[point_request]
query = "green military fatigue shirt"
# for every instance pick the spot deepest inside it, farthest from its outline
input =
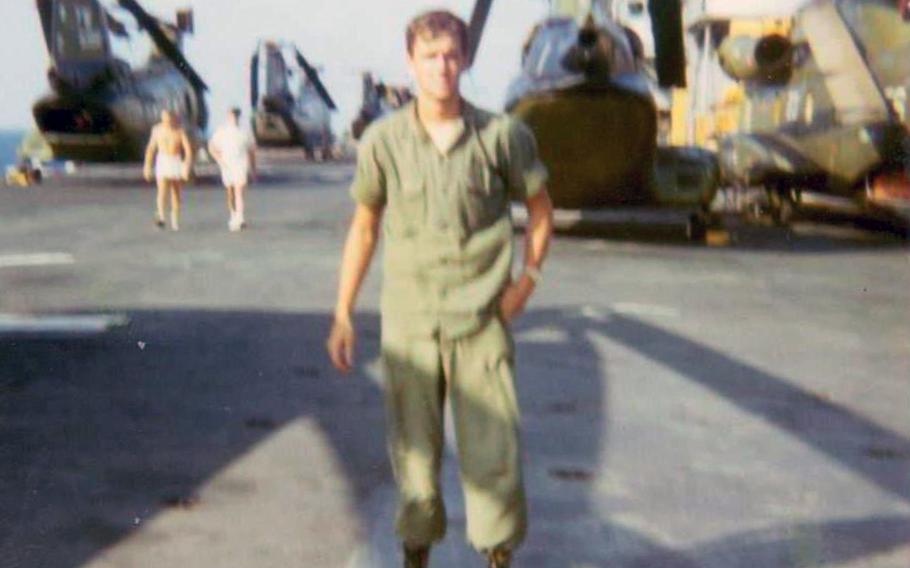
(447, 227)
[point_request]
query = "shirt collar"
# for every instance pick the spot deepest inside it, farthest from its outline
(468, 114)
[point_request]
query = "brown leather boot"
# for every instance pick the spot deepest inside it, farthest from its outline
(416, 557)
(500, 558)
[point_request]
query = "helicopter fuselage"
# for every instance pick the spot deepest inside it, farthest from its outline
(101, 108)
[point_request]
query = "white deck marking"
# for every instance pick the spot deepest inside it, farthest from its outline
(634, 309)
(36, 259)
(68, 324)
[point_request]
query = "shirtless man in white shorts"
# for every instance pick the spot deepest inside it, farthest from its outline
(234, 150)
(170, 149)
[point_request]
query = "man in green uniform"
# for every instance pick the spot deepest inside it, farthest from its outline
(439, 175)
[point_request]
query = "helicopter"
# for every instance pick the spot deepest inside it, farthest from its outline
(291, 106)
(825, 108)
(586, 91)
(104, 100)
(378, 100)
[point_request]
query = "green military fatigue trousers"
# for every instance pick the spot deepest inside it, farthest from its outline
(476, 373)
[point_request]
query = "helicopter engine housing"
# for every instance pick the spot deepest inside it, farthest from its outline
(766, 59)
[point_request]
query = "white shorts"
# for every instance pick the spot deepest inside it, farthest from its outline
(234, 175)
(168, 167)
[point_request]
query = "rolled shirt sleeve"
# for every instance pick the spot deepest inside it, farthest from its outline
(526, 173)
(368, 187)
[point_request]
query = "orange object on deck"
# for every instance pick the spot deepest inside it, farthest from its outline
(890, 187)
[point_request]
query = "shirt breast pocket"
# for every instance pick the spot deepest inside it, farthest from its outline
(406, 209)
(483, 198)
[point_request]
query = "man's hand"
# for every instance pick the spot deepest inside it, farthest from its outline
(340, 344)
(537, 241)
(147, 174)
(515, 298)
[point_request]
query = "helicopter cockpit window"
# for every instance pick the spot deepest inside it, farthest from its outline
(636, 8)
(303, 83)
(550, 42)
(129, 42)
(276, 74)
(79, 31)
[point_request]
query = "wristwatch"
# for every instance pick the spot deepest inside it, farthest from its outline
(534, 274)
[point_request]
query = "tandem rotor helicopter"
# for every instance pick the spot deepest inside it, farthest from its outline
(587, 90)
(291, 105)
(825, 107)
(104, 98)
(378, 100)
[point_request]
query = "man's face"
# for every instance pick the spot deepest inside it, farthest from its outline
(167, 118)
(436, 63)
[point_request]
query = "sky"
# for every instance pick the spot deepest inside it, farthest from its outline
(733, 8)
(344, 37)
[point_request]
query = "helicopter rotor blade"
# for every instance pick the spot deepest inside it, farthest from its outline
(254, 80)
(669, 51)
(475, 27)
(313, 76)
(167, 47)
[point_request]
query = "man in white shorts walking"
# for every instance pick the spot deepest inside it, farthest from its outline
(171, 152)
(235, 152)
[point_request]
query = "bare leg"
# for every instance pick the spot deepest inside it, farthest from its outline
(176, 186)
(231, 200)
(239, 199)
(160, 202)
(232, 207)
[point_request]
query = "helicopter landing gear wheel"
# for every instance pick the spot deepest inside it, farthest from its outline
(697, 228)
(781, 204)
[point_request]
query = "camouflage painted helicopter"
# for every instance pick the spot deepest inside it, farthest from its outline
(105, 101)
(826, 107)
(585, 92)
(291, 106)
(378, 100)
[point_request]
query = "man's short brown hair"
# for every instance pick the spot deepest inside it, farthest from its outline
(435, 23)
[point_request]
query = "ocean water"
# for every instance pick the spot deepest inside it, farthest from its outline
(9, 142)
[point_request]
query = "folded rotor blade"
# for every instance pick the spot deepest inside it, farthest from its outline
(476, 25)
(313, 76)
(167, 47)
